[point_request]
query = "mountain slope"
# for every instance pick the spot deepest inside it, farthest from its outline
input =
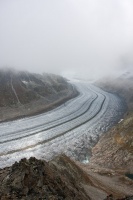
(121, 85)
(115, 149)
(23, 93)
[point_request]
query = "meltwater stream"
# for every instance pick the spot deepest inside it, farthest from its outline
(68, 129)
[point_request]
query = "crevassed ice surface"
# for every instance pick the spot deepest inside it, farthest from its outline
(65, 129)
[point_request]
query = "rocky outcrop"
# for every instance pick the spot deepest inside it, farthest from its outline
(36, 179)
(59, 179)
(23, 93)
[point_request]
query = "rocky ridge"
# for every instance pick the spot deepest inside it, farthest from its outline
(36, 179)
(59, 179)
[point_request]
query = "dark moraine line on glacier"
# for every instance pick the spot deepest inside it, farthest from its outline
(33, 118)
(61, 129)
(72, 126)
(45, 129)
(52, 126)
(61, 122)
(61, 134)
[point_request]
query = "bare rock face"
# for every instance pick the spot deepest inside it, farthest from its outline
(24, 93)
(115, 149)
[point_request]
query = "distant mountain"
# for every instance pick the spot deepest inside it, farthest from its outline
(122, 85)
(24, 93)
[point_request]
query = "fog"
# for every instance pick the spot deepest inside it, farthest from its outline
(81, 38)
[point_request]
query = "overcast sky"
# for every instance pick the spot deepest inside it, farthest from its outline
(83, 37)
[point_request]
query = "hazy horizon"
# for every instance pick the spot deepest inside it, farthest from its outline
(88, 38)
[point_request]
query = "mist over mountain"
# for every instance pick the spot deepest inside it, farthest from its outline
(121, 84)
(81, 38)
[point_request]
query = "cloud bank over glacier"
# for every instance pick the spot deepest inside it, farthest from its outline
(83, 38)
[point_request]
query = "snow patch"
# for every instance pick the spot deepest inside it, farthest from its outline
(120, 121)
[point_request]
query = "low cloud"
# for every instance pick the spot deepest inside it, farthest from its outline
(88, 38)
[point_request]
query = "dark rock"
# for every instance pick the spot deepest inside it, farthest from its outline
(36, 179)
